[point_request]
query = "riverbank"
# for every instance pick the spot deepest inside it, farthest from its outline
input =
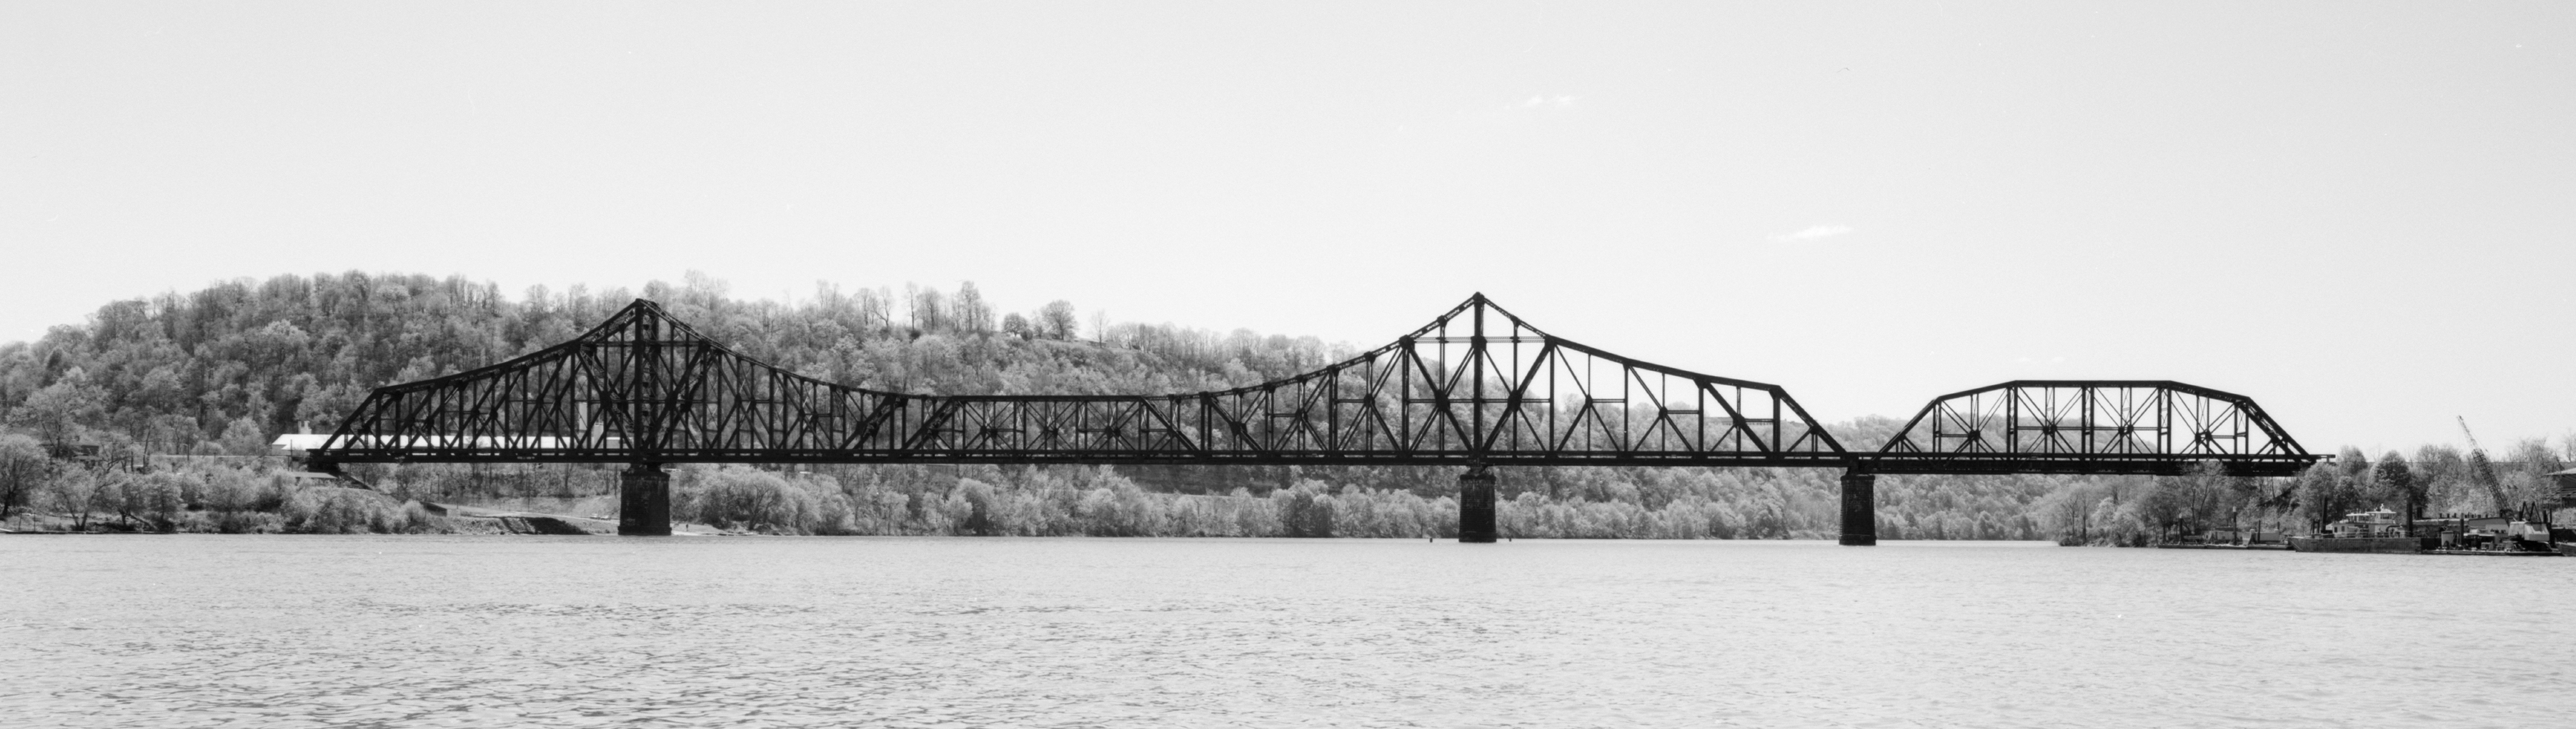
(341, 510)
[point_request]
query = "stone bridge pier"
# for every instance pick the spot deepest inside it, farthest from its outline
(1476, 506)
(644, 501)
(1860, 507)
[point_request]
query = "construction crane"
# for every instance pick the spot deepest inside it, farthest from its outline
(2482, 468)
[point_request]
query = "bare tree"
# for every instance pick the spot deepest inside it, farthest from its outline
(2068, 510)
(23, 467)
(75, 492)
(702, 290)
(929, 308)
(2534, 456)
(1057, 320)
(973, 314)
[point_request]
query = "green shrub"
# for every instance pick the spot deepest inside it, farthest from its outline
(750, 499)
(333, 510)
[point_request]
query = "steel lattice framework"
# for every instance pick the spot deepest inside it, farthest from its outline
(2091, 426)
(1477, 386)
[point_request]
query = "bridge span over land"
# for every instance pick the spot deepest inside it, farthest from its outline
(1477, 387)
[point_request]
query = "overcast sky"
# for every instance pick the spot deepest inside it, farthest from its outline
(2357, 213)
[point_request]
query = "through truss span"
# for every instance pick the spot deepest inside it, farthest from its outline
(1477, 386)
(2091, 426)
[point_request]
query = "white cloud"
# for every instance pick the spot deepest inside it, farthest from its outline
(1812, 233)
(1539, 101)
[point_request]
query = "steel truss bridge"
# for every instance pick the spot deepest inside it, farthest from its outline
(1477, 387)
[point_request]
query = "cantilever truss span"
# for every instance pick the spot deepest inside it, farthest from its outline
(1477, 386)
(2091, 426)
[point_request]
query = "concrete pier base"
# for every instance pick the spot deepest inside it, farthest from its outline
(1476, 506)
(1860, 509)
(644, 501)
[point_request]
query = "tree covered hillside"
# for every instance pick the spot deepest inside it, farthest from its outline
(222, 369)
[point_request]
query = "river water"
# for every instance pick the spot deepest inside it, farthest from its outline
(285, 631)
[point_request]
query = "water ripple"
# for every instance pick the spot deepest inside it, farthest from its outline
(272, 631)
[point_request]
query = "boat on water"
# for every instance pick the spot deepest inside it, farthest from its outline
(2227, 538)
(2501, 536)
(2378, 545)
(2377, 531)
(2380, 531)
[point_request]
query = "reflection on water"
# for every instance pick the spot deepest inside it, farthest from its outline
(278, 631)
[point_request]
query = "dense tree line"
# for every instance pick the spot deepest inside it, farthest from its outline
(222, 369)
(2438, 481)
(216, 373)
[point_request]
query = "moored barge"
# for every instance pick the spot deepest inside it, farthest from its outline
(2375, 545)
(2374, 532)
(2379, 532)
